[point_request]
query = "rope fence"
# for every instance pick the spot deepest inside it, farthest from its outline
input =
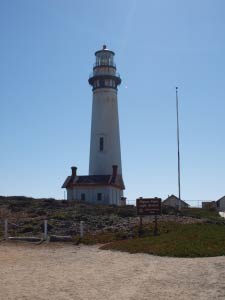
(11, 231)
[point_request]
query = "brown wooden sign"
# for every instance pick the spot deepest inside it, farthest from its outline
(148, 206)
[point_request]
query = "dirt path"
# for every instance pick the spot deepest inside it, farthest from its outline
(63, 272)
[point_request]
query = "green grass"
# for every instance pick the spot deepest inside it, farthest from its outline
(177, 240)
(200, 213)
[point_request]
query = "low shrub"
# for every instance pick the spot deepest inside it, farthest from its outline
(178, 240)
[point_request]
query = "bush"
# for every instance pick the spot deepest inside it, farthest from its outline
(169, 210)
(27, 228)
(126, 212)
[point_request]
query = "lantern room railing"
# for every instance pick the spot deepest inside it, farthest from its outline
(116, 74)
(104, 64)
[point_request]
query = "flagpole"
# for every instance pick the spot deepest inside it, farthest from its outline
(178, 147)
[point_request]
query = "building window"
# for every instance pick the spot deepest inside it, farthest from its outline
(99, 196)
(101, 144)
(83, 197)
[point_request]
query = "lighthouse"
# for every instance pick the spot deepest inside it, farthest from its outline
(104, 184)
(105, 136)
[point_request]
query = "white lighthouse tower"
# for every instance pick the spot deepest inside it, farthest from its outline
(104, 184)
(105, 136)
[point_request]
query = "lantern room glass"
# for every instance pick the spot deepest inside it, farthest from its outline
(104, 59)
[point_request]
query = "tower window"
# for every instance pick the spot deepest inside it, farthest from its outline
(101, 144)
(83, 197)
(99, 196)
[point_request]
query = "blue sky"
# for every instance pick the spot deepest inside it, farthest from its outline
(46, 56)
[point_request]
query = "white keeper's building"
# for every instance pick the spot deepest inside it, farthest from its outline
(104, 184)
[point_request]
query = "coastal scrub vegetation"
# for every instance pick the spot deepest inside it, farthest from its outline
(193, 232)
(176, 240)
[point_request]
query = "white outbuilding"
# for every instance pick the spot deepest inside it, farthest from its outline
(221, 204)
(174, 201)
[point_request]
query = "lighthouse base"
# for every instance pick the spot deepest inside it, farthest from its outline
(98, 195)
(98, 189)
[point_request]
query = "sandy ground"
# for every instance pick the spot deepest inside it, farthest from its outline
(62, 272)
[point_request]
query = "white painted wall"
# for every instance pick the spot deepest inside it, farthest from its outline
(105, 123)
(110, 195)
(174, 202)
(222, 214)
(222, 204)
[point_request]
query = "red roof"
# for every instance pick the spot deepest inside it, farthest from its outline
(94, 180)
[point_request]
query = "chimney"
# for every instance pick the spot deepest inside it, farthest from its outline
(74, 171)
(115, 168)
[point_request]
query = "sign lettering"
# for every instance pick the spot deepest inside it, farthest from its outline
(148, 206)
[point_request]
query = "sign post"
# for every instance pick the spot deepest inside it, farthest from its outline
(149, 207)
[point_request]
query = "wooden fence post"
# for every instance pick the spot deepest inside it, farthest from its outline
(140, 231)
(45, 229)
(6, 229)
(156, 226)
(81, 229)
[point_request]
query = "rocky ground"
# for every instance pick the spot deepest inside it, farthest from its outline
(26, 217)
